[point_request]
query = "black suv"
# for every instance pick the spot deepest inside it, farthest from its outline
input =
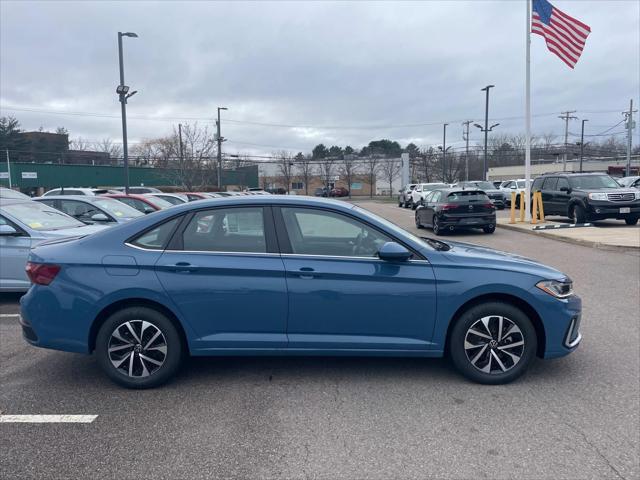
(584, 197)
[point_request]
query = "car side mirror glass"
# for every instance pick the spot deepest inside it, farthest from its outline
(565, 189)
(392, 251)
(8, 231)
(99, 217)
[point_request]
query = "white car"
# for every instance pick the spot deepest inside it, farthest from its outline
(78, 191)
(421, 191)
(509, 186)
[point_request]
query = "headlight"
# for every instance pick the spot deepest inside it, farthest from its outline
(598, 196)
(556, 288)
(637, 194)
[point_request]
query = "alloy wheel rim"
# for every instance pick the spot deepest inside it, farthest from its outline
(494, 344)
(436, 227)
(137, 348)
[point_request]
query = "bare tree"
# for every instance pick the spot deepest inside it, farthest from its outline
(305, 168)
(390, 169)
(79, 144)
(285, 167)
(108, 146)
(348, 167)
(371, 168)
(327, 167)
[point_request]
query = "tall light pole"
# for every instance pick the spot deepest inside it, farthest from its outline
(465, 137)
(123, 92)
(582, 143)
(486, 129)
(219, 139)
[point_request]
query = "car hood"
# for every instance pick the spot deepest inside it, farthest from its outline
(606, 190)
(468, 253)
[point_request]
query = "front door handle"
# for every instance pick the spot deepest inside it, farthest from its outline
(182, 267)
(305, 273)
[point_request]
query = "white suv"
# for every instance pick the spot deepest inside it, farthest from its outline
(421, 190)
(509, 186)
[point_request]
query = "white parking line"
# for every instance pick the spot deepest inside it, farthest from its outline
(9, 315)
(47, 418)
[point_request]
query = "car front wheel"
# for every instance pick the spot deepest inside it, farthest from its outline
(579, 215)
(631, 220)
(138, 347)
(492, 343)
(417, 219)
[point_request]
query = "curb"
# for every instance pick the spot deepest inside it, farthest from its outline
(575, 241)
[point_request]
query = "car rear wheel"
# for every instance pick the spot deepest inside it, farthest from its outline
(139, 347)
(631, 220)
(492, 343)
(489, 229)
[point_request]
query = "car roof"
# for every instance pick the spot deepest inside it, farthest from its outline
(83, 198)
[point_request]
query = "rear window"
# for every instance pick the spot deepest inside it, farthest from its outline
(467, 196)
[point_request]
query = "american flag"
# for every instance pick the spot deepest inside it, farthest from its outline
(565, 36)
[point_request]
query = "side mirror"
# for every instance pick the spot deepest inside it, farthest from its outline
(392, 251)
(8, 231)
(565, 189)
(99, 217)
(512, 187)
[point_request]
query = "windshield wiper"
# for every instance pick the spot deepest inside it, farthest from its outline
(437, 244)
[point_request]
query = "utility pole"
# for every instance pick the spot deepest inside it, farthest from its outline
(486, 129)
(630, 126)
(181, 150)
(566, 116)
(465, 137)
(9, 169)
(582, 143)
(219, 140)
(444, 153)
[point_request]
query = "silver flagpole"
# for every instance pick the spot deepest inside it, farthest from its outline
(527, 155)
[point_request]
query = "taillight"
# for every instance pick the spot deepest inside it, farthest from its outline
(42, 273)
(489, 205)
(448, 206)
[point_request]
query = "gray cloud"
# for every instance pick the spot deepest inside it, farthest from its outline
(310, 64)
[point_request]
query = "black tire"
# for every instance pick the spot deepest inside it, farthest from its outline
(497, 376)
(136, 315)
(579, 215)
(417, 219)
(400, 203)
(489, 229)
(631, 220)
(406, 204)
(436, 226)
(413, 205)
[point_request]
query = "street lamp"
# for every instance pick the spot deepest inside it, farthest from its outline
(486, 128)
(219, 140)
(582, 143)
(123, 93)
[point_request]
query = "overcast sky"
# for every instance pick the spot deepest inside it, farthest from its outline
(337, 73)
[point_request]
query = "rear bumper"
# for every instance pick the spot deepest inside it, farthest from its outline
(467, 222)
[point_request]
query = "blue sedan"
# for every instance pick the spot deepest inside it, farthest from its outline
(273, 275)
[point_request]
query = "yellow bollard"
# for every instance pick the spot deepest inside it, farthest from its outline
(522, 206)
(534, 213)
(540, 206)
(512, 218)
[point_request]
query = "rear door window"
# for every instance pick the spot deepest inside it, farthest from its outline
(550, 183)
(226, 230)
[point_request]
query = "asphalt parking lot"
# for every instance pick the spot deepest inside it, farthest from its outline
(575, 417)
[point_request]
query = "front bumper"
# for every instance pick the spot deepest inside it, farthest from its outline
(606, 209)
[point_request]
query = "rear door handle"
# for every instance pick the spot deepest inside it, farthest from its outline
(182, 267)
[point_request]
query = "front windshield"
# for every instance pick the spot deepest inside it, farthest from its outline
(485, 185)
(41, 217)
(521, 184)
(117, 209)
(593, 182)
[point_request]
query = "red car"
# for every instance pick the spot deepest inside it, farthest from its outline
(140, 202)
(339, 192)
